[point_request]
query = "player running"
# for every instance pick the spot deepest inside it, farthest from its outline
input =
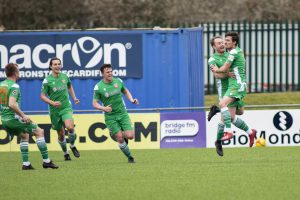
(109, 91)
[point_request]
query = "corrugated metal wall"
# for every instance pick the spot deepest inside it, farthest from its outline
(172, 75)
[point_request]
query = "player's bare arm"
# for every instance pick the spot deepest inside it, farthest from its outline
(14, 106)
(223, 69)
(102, 108)
(48, 101)
(129, 97)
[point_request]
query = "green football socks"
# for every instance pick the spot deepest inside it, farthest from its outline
(238, 122)
(227, 117)
(42, 147)
(72, 138)
(125, 149)
(63, 145)
(24, 151)
(220, 131)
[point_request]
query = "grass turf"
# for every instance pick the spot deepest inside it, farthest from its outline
(243, 173)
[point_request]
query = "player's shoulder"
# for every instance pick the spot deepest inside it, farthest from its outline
(98, 85)
(47, 78)
(63, 75)
(211, 59)
(117, 79)
(15, 85)
(233, 51)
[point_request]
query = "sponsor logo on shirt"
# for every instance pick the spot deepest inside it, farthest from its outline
(116, 85)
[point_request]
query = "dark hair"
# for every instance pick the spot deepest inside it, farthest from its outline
(11, 69)
(51, 60)
(104, 66)
(235, 37)
(212, 40)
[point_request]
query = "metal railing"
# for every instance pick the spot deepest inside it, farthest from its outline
(271, 51)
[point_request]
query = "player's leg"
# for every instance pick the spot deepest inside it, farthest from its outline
(226, 116)
(126, 125)
(241, 124)
(116, 131)
(69, 125)
(220, 133)
(13, 127)
(41, 143)
(63, 143)
(26, 165)
(124, 146)
(57, 124)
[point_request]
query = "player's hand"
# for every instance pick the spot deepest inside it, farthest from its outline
(135, 101)
(231, 75)
(107, 108)
(56, 104)
(214, 68)
(76, 101)
(26, 119)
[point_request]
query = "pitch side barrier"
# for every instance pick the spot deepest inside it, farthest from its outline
(170, 128)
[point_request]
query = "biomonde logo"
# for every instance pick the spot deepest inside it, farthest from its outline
(283, 120)
(88, 47)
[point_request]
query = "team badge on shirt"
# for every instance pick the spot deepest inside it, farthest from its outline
(14, 92)
(63, 80)
(106, 94)
(116, 85)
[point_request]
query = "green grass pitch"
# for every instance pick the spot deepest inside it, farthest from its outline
(168, 174)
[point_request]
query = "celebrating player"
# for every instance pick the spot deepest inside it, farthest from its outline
(237, 86)
(55, 92)
(15, 122)
(109, 91)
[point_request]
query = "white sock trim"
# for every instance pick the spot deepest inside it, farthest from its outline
(26, 163)
(46, 160)
(234, 119)
(224, 109)
(122, 145)
(249, 131)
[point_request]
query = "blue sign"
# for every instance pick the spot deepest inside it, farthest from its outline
(82, 53)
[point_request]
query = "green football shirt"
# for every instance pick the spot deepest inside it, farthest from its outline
(57, 90)
(237, 60)
(219, 60)
(111, 94)
(8, 88)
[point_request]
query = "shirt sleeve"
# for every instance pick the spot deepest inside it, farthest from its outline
(211, 61)
(122, 86)
(96, 95)
(68, 82)
(232, 56)
(14, 91)
(45, 87)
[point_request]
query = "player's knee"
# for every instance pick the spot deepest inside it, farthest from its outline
(239, 112)
(129, 135)
(39, 132)
(221, 104)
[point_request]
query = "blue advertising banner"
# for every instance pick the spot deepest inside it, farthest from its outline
(181, 130)
(82, 53)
